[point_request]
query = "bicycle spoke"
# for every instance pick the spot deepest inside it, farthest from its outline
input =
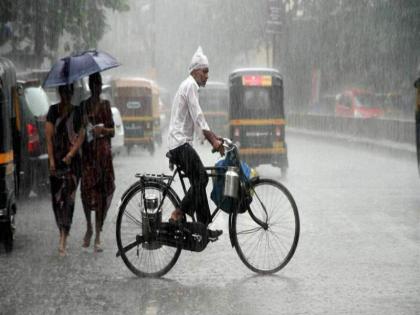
(132, 218)
(250, 230)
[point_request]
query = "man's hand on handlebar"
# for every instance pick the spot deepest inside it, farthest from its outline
(218, 146)
(216, 142)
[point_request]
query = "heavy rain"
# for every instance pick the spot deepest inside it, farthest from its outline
(209, 157)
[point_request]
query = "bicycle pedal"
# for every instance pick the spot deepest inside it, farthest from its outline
(213, 235)
(213, 239)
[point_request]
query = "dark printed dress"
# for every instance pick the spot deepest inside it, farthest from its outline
(64, 184)
(97, 187)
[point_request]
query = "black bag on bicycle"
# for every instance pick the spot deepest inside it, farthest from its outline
(191, 236)
(228, 204)
(195, 236)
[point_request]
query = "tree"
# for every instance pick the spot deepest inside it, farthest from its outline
(38, 26)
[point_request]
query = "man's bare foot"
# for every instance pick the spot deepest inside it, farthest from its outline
(177, 215)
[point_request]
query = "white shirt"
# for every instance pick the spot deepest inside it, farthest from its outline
(185, 114)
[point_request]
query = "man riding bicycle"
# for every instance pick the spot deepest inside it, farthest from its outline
(186, 113)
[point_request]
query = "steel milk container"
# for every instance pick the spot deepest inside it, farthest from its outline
(231, 182)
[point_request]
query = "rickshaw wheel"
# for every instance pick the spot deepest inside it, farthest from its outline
(7, 237)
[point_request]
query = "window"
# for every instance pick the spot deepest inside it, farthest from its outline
(257, 98)
(345, 100)
(366, 100)
(37, 100)
(133, 104)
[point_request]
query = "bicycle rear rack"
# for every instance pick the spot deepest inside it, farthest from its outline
(153, 176)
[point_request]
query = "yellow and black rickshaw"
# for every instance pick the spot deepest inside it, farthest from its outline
(9, 128)
(417, 86)
(134, 98)
(214, 101)
(256, 116)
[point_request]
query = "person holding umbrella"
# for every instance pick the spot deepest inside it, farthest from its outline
(97, 186)
(64, 135)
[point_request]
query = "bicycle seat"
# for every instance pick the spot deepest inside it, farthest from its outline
(169, 156)
(171, 162)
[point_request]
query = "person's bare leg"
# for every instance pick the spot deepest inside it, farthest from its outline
(89, 229)
(65, 235)
(62, 243)
(98, 227)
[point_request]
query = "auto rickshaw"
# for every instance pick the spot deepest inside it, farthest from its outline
(157, 133)
(133, 97)
(214, 101)
(9, 128)
(417, 86)
(256, 116)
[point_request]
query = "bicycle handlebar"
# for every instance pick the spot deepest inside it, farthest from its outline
(227, 143)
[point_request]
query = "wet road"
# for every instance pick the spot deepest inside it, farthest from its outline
(359, 250)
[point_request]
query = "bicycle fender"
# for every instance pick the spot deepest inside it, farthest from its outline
(231, 233)
(254, 179)
(127, 191)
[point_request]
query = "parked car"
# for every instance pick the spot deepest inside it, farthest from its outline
(40, 75)
(358, 103)
(34, 104)
(117, 142)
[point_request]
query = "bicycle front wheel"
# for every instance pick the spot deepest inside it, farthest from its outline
(145, 259)
(266, 236)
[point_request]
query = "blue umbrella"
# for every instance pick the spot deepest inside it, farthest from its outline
(72, 68)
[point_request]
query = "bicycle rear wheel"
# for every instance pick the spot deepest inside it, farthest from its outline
(267, 249)
(145, 259)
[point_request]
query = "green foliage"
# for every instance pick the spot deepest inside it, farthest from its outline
(38, 25)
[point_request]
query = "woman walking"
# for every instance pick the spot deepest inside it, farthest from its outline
(64, 137)
(97, 186)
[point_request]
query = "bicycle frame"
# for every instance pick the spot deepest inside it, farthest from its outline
(212, 171)
(182, 176)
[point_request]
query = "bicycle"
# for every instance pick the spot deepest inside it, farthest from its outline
(263, 221)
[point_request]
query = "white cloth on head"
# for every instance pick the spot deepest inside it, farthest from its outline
(186, 114)
(198, 61)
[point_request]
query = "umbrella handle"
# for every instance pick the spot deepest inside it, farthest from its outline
(66, 67)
